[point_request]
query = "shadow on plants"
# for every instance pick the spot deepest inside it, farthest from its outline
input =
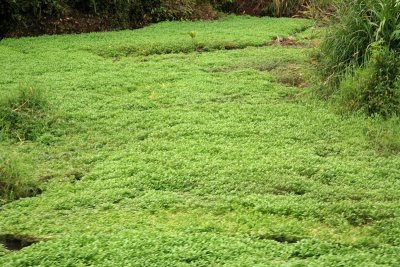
(280, 237)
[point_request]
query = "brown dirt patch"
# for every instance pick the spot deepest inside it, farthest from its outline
(286, 41)
(15, 242)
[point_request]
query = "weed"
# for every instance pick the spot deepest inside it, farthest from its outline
(15, 179)
(24, 116)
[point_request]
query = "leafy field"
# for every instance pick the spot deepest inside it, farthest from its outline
(177, 149)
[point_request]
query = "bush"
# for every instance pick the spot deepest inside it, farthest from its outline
(175, 9)
(15, 181)
(24, 116)
(155, 10)
(374, 88)
(359, 56)
(19, 10)
(282, 8)
(277, 8)
(23, 17)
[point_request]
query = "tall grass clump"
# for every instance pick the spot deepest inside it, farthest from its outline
(360, 56)
(25, 115)
(281, 8)
(15, 179)
(373, 88)
(321, 10)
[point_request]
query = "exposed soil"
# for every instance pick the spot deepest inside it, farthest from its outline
(15, 243)
(286, 41)
(280, 237)
(291, 76)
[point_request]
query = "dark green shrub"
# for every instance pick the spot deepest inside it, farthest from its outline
(23, 12)
(115, 7)
(19, 10)
(183, 9)
(277, 8)
(281, 8)
(23, 17)
(223, 5)
(24, 116)
(174, 9)
(15, 181)
(5, 18)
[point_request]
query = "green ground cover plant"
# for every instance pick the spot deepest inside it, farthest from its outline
(172, 154)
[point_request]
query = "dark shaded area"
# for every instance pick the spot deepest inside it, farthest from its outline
(263, 7)
(15, 243)
(280, 237)
(286, 41)
(289, 190)
(32, 18)
(75, 176)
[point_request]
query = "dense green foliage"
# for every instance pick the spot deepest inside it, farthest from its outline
(23, 17)
(363, 44)
(32, 17)
(176, 157)
(278, 8)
